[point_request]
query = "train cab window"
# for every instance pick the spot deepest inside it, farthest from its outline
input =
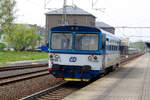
(87, 42)
(61, 41)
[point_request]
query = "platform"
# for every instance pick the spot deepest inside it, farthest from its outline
(130, 82)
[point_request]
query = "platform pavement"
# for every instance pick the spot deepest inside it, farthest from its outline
(130, 82)
(27, 62)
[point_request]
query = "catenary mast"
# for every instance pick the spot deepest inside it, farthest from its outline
(64, 16)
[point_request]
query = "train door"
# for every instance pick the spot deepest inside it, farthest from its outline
(103, 49)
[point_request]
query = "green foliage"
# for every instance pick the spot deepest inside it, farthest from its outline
(23, 37)
(2, 46)
(9, 56)
(6, 15)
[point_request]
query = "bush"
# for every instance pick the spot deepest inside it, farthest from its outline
(2, 46)
(23, 37)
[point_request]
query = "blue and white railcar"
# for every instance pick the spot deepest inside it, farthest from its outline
(80, 53)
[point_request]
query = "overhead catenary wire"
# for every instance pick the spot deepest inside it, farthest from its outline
(46, 2)
(134, 27)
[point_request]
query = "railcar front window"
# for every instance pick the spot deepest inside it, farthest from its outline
(87, 42)
(61, 41)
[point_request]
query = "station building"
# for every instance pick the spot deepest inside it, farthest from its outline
(75, 16)
(105, 27)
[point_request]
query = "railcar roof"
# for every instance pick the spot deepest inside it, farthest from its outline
(110, 35)
(75, 28)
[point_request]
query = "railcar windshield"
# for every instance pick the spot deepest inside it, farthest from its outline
(61, 41)
(86, 42)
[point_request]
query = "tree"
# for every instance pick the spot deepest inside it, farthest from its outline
(6, 16)
(23, 37)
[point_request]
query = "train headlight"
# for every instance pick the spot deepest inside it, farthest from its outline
(90, 58)
(57, 57)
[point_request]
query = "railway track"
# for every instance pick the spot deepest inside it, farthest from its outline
(60, 91)
(21, 67)
(125, 60)
(17, 78)
(19, 73)
(57, 92)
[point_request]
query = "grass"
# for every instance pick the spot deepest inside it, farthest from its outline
(10, 56)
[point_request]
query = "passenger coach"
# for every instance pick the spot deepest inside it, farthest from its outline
(80, 53)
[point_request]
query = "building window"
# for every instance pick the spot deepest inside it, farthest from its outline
(67, 22)
(75, 22)
(59, 22)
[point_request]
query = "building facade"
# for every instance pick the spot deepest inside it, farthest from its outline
(105, 27)
(75, 16)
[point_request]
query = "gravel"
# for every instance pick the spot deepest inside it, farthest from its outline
(24, 88)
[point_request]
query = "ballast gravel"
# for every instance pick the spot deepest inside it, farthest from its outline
(24, 88)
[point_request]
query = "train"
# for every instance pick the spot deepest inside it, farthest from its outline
(81, 53)
(132, 51)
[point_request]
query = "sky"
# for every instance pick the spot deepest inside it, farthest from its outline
(113, 12)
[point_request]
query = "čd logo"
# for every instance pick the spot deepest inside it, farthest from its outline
(72, 59)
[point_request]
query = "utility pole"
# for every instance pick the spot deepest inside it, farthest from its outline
(99, 9)
(93, 3)
(64, 16)
(44, 4)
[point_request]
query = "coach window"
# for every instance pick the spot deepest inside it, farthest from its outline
(117, 47)
(107, 47)
(113, 48)
(107, 39)
(110, 47)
